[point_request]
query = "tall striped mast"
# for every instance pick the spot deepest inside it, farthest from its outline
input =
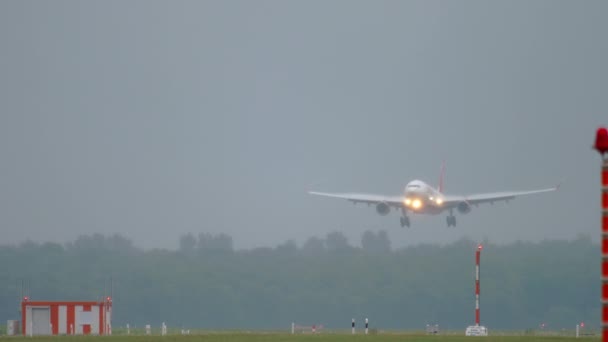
(477, 261)
(601, 145)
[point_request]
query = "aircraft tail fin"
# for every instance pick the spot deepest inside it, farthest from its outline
(442, 178)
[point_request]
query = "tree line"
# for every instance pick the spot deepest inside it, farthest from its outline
(207, 283)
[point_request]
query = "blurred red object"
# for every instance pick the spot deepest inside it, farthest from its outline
(601, 140)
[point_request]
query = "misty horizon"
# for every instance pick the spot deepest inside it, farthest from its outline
(154, 119)
(96, 237)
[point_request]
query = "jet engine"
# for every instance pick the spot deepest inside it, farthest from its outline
(464, 207)
(383, 208)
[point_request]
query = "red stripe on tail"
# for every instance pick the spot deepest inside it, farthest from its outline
(441, 178)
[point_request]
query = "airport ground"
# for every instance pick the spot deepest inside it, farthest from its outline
(320, 337)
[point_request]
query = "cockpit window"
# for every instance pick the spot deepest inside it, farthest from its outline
(413, 186)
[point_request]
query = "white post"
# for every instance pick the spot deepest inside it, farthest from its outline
(366, 325)
(163, 329)
(148, 329)
(71, 329)
(353, 326)
(577, 326)
(128, 329)
(293, 328)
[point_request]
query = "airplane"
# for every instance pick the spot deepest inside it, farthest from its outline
(420, 198)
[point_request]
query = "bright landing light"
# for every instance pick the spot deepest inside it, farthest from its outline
(416, 204)
(439, 201)
(407, 201)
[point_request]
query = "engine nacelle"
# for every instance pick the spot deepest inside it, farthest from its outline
(464, 207)
(383, 208)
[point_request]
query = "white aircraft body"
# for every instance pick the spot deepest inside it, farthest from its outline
(421, 198)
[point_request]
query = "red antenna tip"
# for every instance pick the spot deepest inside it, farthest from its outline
(601, 140)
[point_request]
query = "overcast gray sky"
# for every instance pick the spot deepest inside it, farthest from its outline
(157, 118)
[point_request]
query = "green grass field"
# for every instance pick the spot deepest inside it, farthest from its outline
(322, 337)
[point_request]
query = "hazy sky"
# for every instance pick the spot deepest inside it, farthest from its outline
(157, 118)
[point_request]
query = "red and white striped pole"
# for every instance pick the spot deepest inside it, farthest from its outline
(601, 145)
(477, 260)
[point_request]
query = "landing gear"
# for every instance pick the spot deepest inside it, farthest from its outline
(451, 221)
(405, 220)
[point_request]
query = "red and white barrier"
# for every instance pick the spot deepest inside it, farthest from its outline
(295, 328)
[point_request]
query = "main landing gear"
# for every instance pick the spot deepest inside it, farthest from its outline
(405, 220)
(451, 221)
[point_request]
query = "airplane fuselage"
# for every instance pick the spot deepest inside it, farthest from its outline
(421, 198)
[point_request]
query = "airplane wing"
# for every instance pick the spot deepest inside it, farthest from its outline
(395, 201)
(451, 201)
